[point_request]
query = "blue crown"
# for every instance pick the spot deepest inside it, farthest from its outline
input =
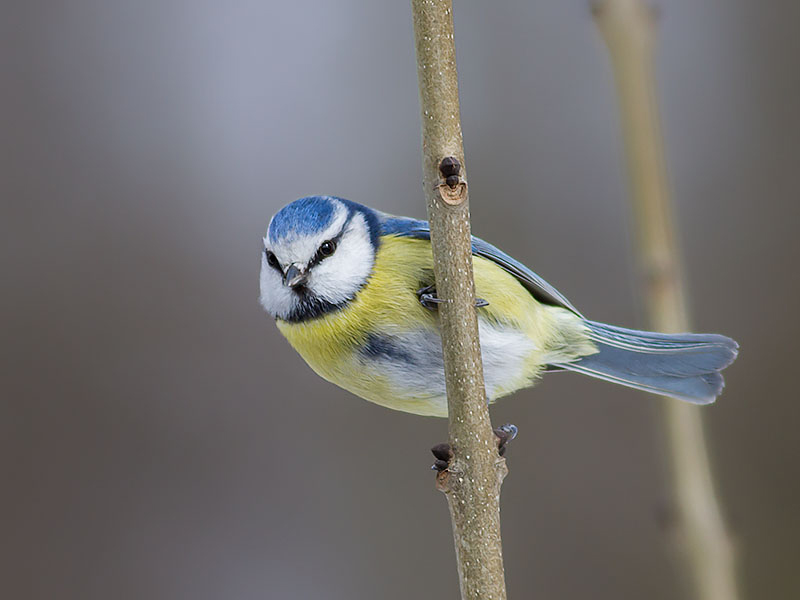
(313, 214)
(302, 217)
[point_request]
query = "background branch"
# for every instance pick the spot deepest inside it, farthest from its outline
(472, 482)
(628, 27)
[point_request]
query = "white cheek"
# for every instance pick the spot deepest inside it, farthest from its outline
(276, 298)
(339, 277)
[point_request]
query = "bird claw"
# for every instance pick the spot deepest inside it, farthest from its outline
(505, 433)
(443, 453)
(430, 301)
(428, 298)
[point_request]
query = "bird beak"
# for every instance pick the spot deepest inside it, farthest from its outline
(295, 275)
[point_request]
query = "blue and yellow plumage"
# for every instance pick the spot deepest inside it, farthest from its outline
(343, 283)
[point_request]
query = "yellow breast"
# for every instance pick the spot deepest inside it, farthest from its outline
(330, 343)
(388, 304)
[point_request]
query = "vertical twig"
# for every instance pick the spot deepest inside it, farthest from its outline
(628, 27)
(472, 482)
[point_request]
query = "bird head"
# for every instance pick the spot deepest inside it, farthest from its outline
(318, 253)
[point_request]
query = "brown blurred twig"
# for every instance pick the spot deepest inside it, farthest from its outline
(472, 481)
(628, 27)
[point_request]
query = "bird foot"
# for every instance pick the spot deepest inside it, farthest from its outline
(428, 298)
(505, 433)
(443, 453)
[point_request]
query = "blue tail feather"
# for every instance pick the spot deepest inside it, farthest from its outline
(683, 365)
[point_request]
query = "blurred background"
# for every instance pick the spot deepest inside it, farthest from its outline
(159, 437)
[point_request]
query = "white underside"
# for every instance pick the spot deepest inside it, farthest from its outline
(505, 353)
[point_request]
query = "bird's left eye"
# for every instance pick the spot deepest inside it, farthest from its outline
(272, 260)
(327, 248)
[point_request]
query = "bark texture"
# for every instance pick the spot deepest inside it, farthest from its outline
(472, 482)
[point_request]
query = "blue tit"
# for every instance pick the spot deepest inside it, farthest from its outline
(352, 291)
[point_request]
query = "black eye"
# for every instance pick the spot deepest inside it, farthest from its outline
(327, 248)
(272, 260)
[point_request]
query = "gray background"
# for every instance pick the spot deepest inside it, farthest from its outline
(161, 440)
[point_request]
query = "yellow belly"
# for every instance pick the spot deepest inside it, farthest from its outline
(513, 322)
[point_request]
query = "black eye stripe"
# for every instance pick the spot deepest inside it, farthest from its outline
(326, 249)
(272, 260)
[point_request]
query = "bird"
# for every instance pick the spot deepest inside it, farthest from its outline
(352, 289)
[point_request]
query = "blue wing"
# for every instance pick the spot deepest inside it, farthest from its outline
(684, 365)
(538, 287)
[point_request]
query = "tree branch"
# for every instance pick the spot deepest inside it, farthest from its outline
(628, 28)
(472, 481)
